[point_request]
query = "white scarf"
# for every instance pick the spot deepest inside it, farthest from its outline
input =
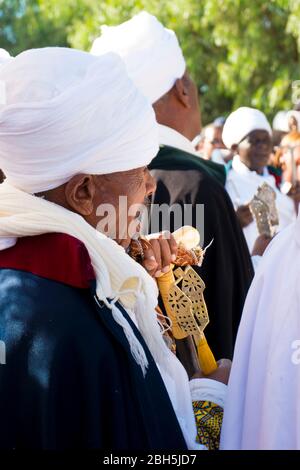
(67, 112)
(118, 276)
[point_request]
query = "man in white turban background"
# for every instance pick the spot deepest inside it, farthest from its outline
(85, 363)
(156, 64)
(211, 145)
(248, 133)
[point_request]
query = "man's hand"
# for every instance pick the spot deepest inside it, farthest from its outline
(221, 374)
(244, 215)
(260, 245)
(160, 250)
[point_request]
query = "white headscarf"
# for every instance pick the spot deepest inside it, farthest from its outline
(71, 113)
(150, 51)
(296, 115)
(241, 122)
(281, 120)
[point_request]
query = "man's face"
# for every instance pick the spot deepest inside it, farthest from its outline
(255, 149)
(118, 203)
(213, 140)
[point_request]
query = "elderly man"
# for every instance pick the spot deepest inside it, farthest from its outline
(84, 364)
(156, 64)
(248, 133)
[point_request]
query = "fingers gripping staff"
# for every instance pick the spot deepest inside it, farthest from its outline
(182, 295)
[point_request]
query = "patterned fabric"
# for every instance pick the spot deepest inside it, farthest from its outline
(209, 418)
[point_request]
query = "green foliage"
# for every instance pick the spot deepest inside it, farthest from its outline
(239, 52)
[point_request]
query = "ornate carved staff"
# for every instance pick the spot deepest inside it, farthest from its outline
(263, 208)
(181, 291)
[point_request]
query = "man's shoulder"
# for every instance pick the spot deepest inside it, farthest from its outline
(45, 282)
(182, 159)
(172, 159)
(30, 297)
(188, 176)
(36, 311)
(53, 256)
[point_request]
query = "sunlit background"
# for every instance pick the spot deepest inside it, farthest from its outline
(240, 52)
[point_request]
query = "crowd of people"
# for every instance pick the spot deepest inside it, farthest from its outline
(86, 362)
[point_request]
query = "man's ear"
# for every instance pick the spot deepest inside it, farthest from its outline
(79, 193)
(182, 92)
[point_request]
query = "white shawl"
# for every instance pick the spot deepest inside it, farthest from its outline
(118, 277)
(263, 407)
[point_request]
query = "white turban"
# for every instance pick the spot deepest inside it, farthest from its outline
(281, 120)
(295, 114)
(151, 53)
(68, 112)
(241, 122)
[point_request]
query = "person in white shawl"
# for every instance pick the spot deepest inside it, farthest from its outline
(263, 410)
(248, 133)
(75, 134)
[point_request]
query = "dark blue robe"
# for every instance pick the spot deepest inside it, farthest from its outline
(70, 381)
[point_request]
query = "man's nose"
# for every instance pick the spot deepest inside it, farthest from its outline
(263, 145)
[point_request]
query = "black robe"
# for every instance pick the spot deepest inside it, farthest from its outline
(69, 381)
(227, 268)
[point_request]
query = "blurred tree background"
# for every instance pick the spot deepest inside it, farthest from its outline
(240, 52)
